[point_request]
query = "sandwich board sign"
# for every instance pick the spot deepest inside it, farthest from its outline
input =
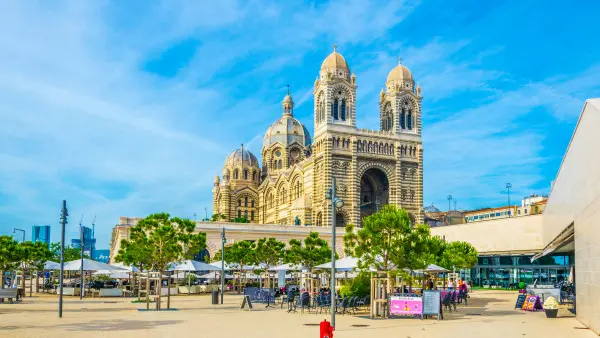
(246, 302)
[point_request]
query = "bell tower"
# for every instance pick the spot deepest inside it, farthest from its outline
(335, 94)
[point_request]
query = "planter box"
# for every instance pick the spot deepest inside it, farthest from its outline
(164, 291)
(551, 313)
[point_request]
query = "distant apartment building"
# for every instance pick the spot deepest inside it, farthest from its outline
(435, 218)
(40, 233)
(486, 214)
(530, 205)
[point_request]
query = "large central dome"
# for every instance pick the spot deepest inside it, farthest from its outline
(287, 130)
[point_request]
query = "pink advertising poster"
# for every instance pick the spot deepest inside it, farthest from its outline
(409, 306)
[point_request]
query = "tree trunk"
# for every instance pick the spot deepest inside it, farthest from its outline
(169, 292)
(37, 282)
(159, 290)
(23, 280)
(240, 276)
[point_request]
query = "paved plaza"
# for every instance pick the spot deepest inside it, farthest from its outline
(489, 314)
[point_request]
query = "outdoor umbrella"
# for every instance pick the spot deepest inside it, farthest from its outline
(346, 263)
(90, 265)
(191, 265)
(129, 268)
(50, 265)
(432, 268)
(214, 275)
(288, 267)
(113, 274)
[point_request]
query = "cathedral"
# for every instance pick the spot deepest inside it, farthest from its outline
(372, 167)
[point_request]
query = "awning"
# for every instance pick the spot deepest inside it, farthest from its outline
(563, 239)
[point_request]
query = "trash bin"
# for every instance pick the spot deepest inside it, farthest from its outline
(215, 297)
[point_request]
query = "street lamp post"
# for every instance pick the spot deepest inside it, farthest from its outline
(63, 222)
(15, 230)
(508, 186)
(449, 202)
(223, 240)
(335, 203)
(205, 214)
(82, 243)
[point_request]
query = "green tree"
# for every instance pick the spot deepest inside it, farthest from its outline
(71, 253)
(166, 240)
(217, 217)
(309, 253)
(9, 256)
(269, 253)
(240, 253)
(242, 219)
(459, 255)
(33, 256)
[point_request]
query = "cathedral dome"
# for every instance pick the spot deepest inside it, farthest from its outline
(400, 73)
(287, 130)
(241, 158)
(335, 60)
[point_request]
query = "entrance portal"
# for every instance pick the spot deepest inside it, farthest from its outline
(374, 191)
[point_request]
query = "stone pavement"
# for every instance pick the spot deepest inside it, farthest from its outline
(489, 314)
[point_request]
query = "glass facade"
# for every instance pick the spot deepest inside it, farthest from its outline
(509, 271)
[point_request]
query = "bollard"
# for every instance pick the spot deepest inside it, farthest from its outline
(326, 330)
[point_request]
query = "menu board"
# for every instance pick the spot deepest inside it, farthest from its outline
(520, 301)
(432, 302)
(406, 306)
(532, 303)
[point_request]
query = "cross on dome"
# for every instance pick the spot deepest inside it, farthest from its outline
(334, 47)
(399, 60)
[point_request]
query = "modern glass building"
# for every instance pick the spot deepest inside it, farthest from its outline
(89, 243)
(509, 271)
(40, 233)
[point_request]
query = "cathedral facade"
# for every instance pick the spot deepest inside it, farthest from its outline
(372, 167)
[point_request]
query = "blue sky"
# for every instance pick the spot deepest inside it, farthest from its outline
(128, 108)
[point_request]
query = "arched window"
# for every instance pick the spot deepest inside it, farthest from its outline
(343, 108)
(321, 113)
(409, 120)
(245, 201)
(245, 174)
(235, 174)
(252, 203)
(253, 175)
(335, 108)
(239, 214)
(389, 122)
(239, 203)
(402, 119)
(246, 214)
(252, 215)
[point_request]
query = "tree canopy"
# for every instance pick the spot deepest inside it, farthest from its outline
(33, 255)
(240, 253)
(9, 256)
(309, 253)
(269, 252)
(377, 243)
(165, 239)
(459, 255)
(71, 253)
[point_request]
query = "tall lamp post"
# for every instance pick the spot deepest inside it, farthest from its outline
(508, 186)
(63, 222)
(335, 203)
(82, 243)
(205, 214)
(15, 230)
(449, 202)
(223, 240)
